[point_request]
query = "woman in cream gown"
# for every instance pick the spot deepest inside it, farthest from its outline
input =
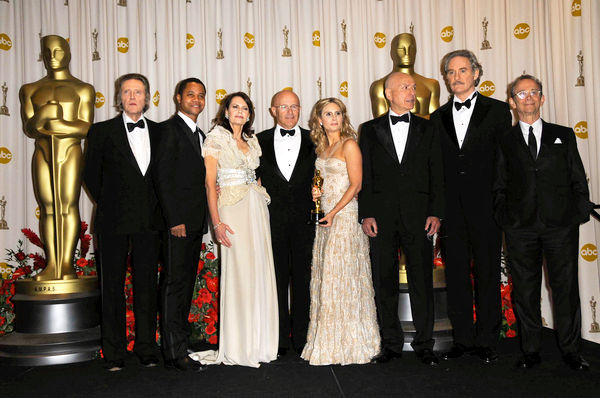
(343, 322)
(248, 316)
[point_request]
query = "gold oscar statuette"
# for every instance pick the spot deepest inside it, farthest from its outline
(122, 3)
(286, 51)
(95, 54)
(3, 223)
(344, 44)
(40, 54)
(319, 84)
(155, 47)
(57, 112)
(485, 44)
(594, 328)
(411, 28)
(317, 213)
(4, 109)
(580, 78)
(220, 40)
(403, 50)
(249, 84)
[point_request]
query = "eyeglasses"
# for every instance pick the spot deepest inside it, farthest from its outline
(331, 115)
(524, 94)
(284, 108)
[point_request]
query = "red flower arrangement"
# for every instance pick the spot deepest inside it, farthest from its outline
(204, 314)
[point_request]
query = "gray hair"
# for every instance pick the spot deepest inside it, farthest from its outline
(475, 65)
(511, 86)
(119, 85)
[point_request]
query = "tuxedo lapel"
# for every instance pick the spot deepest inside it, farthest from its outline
(412, 141)
(189, 134)
(548, 138)
(479, 113)
(119, 138)
(303, 153)
(519, 143)
(384, 136)
(268, 152)
(448, 122)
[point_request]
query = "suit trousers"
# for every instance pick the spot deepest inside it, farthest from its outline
(559, 245)
(419, 268)
(181, 258)
(472, 236)
(113, 251)
(292, 256)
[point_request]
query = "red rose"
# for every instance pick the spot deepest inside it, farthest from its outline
(210, 328)
(19, 272)
(20, 256)
(130, 345)
(2, 320)
(204, 296)
(211, 316)
(438, 262)
(93, 273)
(210, 256)
(82, 262)
(510, 333)
(200, 265)
(79, 273)
(203, 246)
(215, 305)
(213, 339)
(193, 318)
(207, 275)
(510, 316)
(212, 284)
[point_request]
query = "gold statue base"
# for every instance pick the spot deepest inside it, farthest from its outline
(3, 224)
(595, 327)
(43, 288)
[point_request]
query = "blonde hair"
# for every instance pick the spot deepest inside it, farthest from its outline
(317, 132)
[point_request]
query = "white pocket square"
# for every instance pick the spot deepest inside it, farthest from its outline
(558, 141)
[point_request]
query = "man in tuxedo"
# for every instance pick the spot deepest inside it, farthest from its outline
(118, 176)
(401, 204)
(286, 170)
(541, 196)
(179, 178)
(470, 125)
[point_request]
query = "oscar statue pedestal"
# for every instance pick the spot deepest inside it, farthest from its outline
(56, 322)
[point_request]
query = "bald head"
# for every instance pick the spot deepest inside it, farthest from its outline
(285, 108)
(400, 90)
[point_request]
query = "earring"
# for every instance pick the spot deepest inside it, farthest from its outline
(247, 120)
(226, 116)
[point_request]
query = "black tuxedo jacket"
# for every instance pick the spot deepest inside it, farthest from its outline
(413, 186)
(469, 171)
(179, 176)
(125, 198)
(291, 201)
(553, 187)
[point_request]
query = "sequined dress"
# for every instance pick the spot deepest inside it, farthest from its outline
(343, 322)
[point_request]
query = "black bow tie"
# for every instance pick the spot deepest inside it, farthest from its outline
(466, 104)
(404, 118)
(132, 126)
(284, 132)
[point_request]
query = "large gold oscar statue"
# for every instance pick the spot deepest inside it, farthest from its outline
(403, 52)
(57, 112)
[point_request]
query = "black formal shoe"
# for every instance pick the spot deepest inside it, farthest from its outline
(185, 364)
(149, 361)
(114, 365)
(529, 361)
(299, 349)
(576, 362)
(428, 357)
(457, 351)
(282, 351)
(486, 354)
(386, 355)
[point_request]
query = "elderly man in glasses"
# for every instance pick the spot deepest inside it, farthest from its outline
(540, 198)
(286, 171)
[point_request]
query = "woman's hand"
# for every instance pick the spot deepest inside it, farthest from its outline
(221, 230)
(327, 220)
(316, 193)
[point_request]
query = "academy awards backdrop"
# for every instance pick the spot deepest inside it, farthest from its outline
(318, 48)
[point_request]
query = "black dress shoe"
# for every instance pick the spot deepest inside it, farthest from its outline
(299, 349)
(114, 365)
(486, 354)
(428, 357)
(576, 362)
(457, 351)
(149, 361)
(529, 361)
(386, 355)
(185, 364)
(281, 351)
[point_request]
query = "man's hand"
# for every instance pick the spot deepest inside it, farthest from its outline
(369, 227)
(178, 231)
(432, 225)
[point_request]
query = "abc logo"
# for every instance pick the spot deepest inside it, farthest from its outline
(316, 38)
(522, 31)
(5, 270)
(249, 40)
(219, 95)
(589, 252)
(100, 100)
(576, 8)
(5, 155)
(5, 42)
(487, 88)
(156, 98)
(447, 34)
(581, 129)
(189, 41)
(379, 40)
(122, 45)
(37, 212)
(344, 89)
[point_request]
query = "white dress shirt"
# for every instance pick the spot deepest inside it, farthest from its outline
(287, 149)
(191, 124)
(399, 134)
(462, 117)
(537, 132)
(139, 142)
